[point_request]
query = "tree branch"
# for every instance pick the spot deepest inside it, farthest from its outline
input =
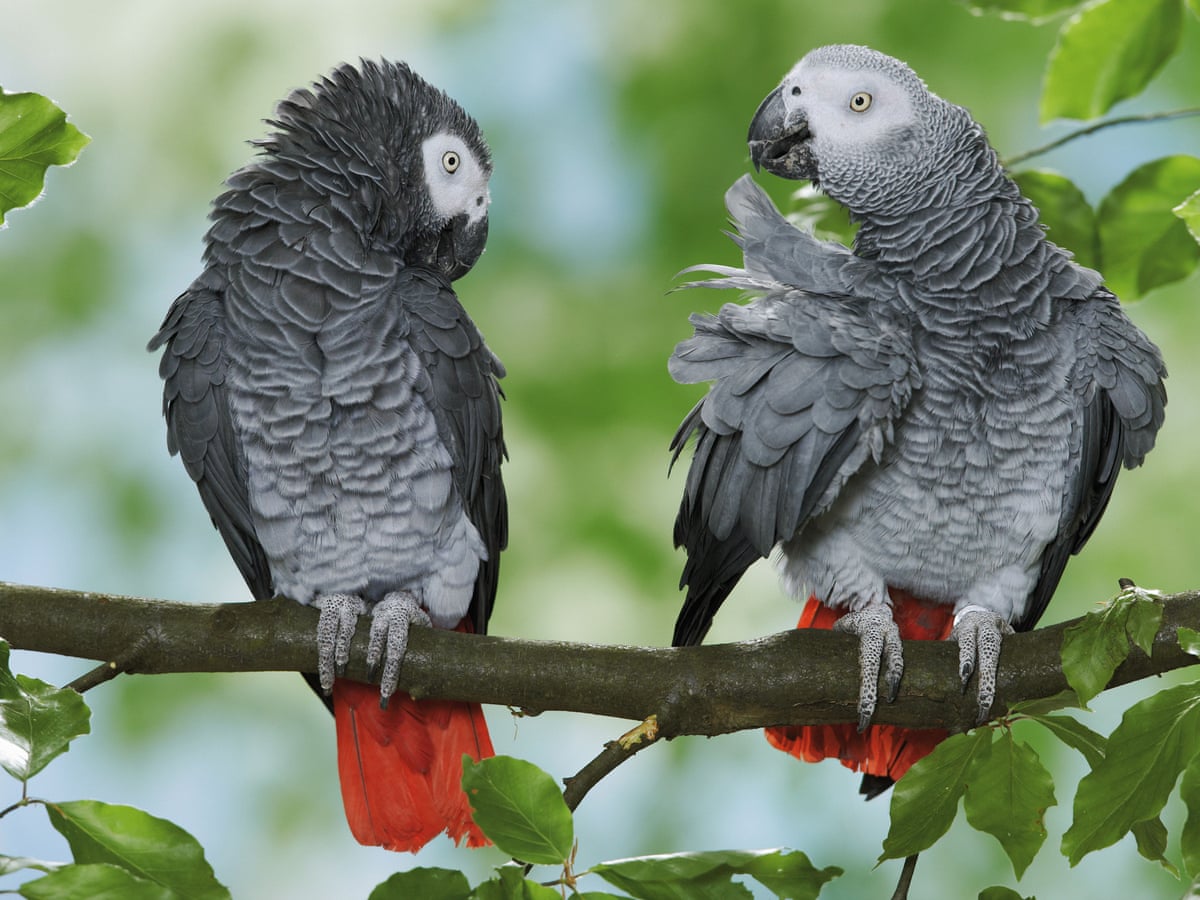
(1027, 155)
(790, 678)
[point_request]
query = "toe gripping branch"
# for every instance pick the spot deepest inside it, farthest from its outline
(879, 648)
(980, 633)
(387, 643)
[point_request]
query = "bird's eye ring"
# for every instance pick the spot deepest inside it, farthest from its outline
(860, 102)
(451, 161)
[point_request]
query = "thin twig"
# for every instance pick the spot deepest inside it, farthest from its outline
(613, 754)
(1099, 126)
(93, 677)
(906, 877)
(107, 671)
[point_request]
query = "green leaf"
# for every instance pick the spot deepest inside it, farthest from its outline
(94, 881)
(34, 135)
(925, 800)
(148, 847)
(1093, 647)
(1075, 735)
(520, 808)
(1000, 893)
(1069, 219)
(10, 864)
(1156, 739)
(37, 721)
(1189, 640)
(1189, 839)
(1143, 244)
(709, 876)
(1035, 11)
(1008, 793)
(1189, 211)
(1108, 51)
(1042, 705)
(426, 883)
(1142, 624)
(1151, 837)
(510, 883)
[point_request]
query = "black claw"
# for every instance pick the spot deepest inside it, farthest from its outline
(383, 702)
(965, 672)
(893, 689)
(863, 722)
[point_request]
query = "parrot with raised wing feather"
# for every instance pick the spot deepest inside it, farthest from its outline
(926, 426)
(339, 413)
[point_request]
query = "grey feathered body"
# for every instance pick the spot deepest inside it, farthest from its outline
(943, 411)
(335, 404)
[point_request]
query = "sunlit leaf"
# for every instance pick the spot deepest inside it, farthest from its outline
(1108, 51)
(94, 881)
(1143, 244)
(520, 808)
(148, 847)
(1035, 11)
(38, 721)
(426, 883)
(925, 800)
(681, 876)
(1156, 739)
(34, 135)
(1062, 208)
(1041, 706)
(10, 864)
(1008, 793)
(1189, 211)
(1093, 647)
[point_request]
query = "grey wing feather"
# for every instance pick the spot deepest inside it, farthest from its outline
(199, 426)
(462, 389)
(805, 389)
(777, 255)
(1119, 379)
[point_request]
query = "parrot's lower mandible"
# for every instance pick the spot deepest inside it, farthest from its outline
(927, 425)
(340, 412)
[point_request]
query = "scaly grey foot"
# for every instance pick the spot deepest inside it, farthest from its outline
(335, 629)
(390, 620)
(979, 633)
(879, 647)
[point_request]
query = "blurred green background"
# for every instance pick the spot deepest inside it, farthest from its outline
(615, 128)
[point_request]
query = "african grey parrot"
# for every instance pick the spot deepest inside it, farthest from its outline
(340, 412)
(927, 426)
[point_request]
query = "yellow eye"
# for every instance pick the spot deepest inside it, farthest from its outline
(450, 161)
(860, 102)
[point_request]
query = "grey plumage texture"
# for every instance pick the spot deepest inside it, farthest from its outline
(943, 410)
(331, 398)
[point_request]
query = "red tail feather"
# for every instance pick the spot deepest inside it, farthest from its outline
(401, 767)
(885, 750)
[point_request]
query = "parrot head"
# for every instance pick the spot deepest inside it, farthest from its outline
(861, 126)
(409, 160)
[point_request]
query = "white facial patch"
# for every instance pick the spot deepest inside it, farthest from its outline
(826, 97)
(457, 183)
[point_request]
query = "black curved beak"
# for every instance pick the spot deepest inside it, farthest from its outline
(779, 142)
(455, 249)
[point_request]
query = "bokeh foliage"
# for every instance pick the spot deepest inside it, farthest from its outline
(616, 129)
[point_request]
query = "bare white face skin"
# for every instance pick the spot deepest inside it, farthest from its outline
(845, 107)
(457, 183)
